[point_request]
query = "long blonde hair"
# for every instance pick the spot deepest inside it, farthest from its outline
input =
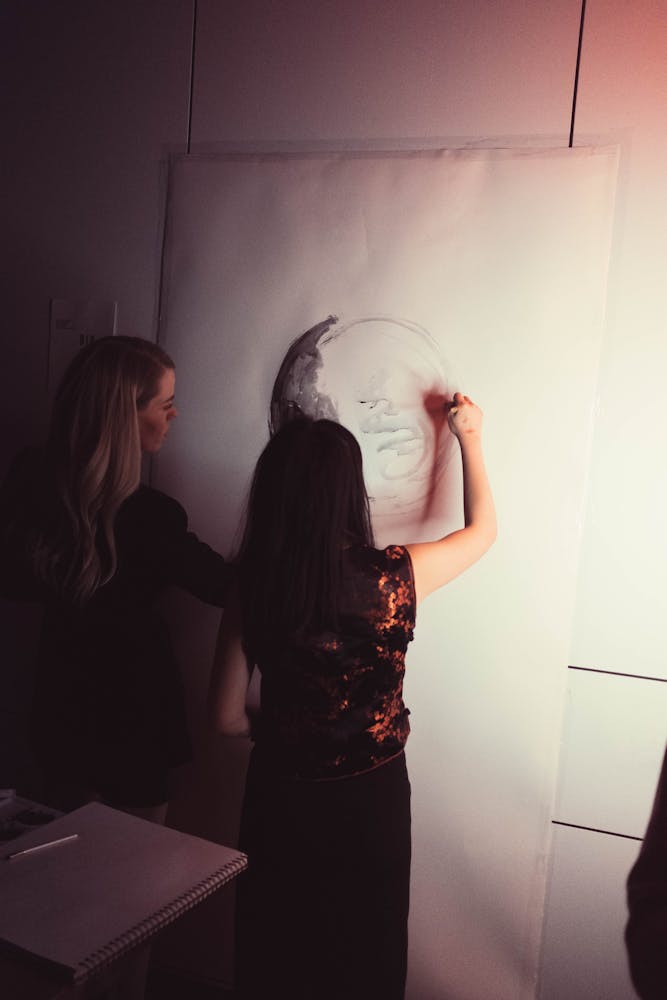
(93, 461)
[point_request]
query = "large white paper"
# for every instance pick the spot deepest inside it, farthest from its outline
(478, 270)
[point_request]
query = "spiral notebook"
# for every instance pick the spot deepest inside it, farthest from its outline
(110, 883)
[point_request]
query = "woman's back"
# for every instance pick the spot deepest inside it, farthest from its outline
(331, 701)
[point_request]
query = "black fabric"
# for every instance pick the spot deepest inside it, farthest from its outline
(322, 909)
(332, 702)
(109, 710)
(646, 930)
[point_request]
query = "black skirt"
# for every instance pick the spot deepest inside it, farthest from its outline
(322, 909)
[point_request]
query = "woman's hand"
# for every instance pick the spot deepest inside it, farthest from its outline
(436, 563)
(464, 417)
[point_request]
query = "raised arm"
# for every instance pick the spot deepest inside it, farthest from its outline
(436, 563)
(230, 677)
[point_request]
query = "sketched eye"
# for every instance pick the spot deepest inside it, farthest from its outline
(372, 404)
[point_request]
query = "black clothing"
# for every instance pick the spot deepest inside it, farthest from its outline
(646, 930)
(332, 703)
(323, 907)
(108, 710)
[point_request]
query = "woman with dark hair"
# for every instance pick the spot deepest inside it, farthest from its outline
(80, 534)
(327, 618)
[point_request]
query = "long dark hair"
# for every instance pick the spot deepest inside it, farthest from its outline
(307, 503)
(93, 461)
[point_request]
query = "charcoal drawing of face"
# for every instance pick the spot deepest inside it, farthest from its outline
(384, 379)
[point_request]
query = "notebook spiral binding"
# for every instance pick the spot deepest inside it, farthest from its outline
(142, 931)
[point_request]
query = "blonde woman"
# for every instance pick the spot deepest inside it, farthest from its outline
(84, 537)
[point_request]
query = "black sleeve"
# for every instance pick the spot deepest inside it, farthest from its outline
(646, 930)
(199, 569)
(19, 495)
(179, 557)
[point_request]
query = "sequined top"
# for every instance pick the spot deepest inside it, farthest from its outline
(332, 703)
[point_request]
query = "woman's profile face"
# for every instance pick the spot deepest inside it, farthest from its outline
(155, 417)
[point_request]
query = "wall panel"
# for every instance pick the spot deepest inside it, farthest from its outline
(99, 92)
(616, 726)
(583, 949)
(622, 590)
(368, 69)
(613, 742)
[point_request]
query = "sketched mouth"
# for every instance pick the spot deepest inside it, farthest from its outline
(403, 442)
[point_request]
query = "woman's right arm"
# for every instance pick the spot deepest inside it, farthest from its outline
(230, 676)
(436, 563)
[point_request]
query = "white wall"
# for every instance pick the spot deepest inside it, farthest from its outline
(369, 69)
(99, 93)
(622, 596)
(616, 725)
